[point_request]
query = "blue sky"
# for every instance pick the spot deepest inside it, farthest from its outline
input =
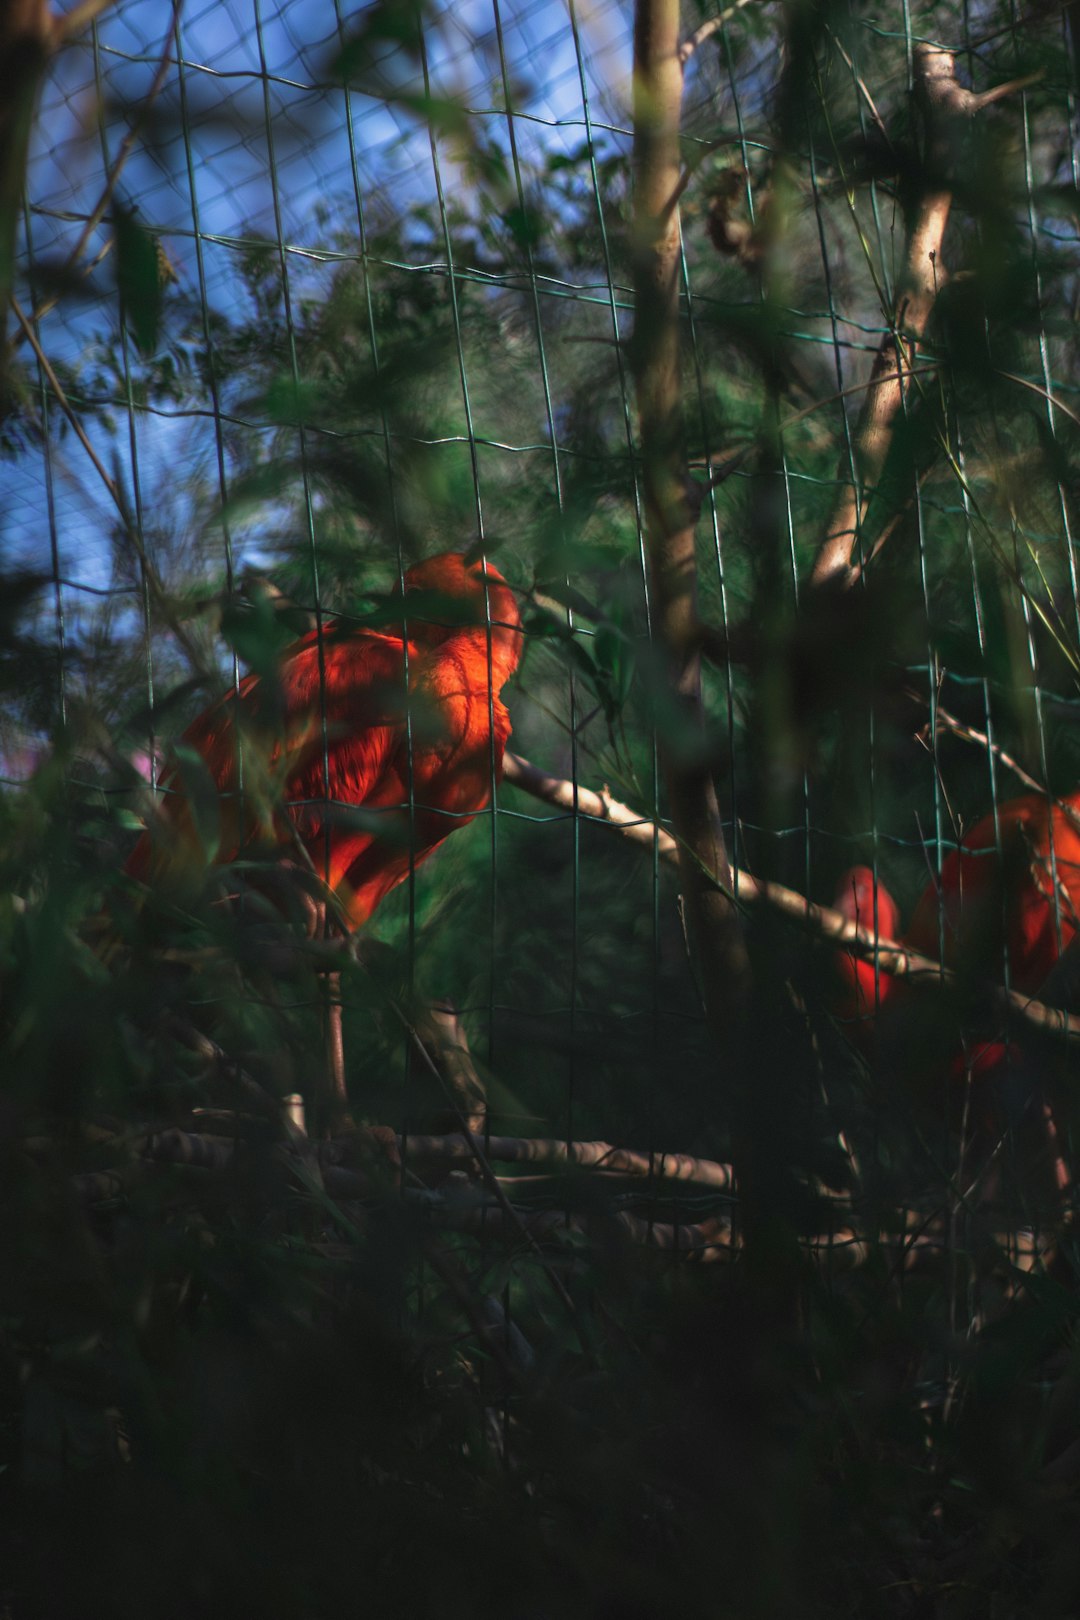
(242, 136)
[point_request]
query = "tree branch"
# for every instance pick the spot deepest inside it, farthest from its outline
(66, 24)
(892, 957)
(946, 106)
(587, 1155)
(689, 44)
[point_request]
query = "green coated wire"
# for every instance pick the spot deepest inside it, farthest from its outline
(556, 468)
(218, 416)
(133, 444)
(50, 510)
(639, 515)
(366, 267)
(493, 813)
(547, 298)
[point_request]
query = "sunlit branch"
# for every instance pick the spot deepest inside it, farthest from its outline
(947, 108)
(823, 921)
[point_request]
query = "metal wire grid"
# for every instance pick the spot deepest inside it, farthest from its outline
(247, 139)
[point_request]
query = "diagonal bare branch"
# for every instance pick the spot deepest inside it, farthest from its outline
(891, 956)
(947, 106)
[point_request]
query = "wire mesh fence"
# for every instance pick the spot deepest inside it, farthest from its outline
(326, 199)
(305, 294)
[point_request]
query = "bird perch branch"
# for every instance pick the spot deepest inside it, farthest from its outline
(892, 957)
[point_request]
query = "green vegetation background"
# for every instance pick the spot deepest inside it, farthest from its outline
(226, 1401)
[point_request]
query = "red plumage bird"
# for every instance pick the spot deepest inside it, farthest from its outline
(1022, 903)
(864, 901)
(371, 746)
(1011, 892)
(1009, 895)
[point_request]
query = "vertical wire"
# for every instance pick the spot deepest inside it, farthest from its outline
(133, 446)
(309, 510)
(212, 379)
(958, 1209)
(556, 468)
(826, 266)
(50, 498)
(718, 547)
(361, 223)
(886, 265)
(738, 856)
(718, 553)
(932, 667)
(474, 461)
(886, 269)
(286, 293)
(849, 450)
(853, 472)
(632, 463)
(1032, 652)
(1051, 421)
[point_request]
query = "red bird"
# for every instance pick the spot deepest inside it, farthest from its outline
(370, 746)
(1011, 892)
(1025, 898)
(869, 904)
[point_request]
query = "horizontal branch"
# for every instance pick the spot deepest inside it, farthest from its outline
(588, 1155)
(704, 1242)
(213, 1151)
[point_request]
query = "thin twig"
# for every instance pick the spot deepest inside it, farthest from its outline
(67, 24)
(120, 159)
(491, 1182)
(65, 405)
(982, 740)
(862, 88)
(154, 580)
(691, 42)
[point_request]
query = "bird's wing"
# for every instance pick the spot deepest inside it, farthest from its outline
(434, 779)
(364, 788)
(319, 732)
(971, 900)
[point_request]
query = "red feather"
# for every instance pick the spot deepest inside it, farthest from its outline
(1025, 895)
(1010, 893)
(404, 724)
(869, 904)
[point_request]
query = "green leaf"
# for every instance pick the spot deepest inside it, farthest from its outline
(391, 23)
(201, 793)
(614, 658)
(137, 278)
(443, 116)
(524, 226)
